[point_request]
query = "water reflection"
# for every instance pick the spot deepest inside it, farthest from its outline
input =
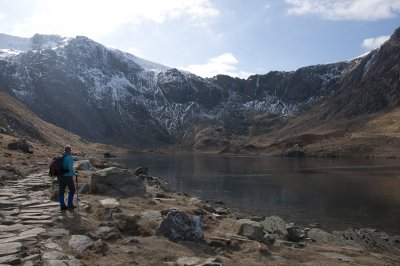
(337, 193)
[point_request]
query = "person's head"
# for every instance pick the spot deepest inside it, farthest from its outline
(67, 149)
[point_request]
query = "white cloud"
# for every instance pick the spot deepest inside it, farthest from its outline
(372, 43)
(96, 18)
(222, 64)
(365, 10)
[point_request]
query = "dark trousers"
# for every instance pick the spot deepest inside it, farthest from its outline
(63, 182)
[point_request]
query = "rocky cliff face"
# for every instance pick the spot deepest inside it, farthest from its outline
(109, 96)
(370, 85)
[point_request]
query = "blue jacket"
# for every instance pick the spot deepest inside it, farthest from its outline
(68, 163)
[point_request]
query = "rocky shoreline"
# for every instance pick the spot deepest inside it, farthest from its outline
(127, 217)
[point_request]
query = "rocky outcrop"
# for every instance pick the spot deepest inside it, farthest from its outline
(371, 239)
(116, 182)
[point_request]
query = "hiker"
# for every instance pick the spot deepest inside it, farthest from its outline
(66, 180)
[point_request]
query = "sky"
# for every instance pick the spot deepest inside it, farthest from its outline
(210, 37)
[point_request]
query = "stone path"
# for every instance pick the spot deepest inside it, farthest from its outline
(30, 224)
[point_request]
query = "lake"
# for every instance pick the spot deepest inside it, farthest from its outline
(337, 193)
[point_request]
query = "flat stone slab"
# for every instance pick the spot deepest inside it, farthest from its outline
(31, 202)
(8, 204)
(10, 248)
(14, 228)
(48, 222)
(45, 205)
(35, 217)
(6, 235)
(33, 231)
(31, 211)
(25, 238)
(13, 212)
(10, 259)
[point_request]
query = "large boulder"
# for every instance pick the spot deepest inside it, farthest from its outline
(117, 182)
(179, 225)
(251, 229)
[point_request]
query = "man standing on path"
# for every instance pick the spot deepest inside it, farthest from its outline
(66, 180)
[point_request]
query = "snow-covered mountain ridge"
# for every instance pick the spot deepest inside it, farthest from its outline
(107, 95)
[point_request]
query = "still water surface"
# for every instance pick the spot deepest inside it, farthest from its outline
(336, 193)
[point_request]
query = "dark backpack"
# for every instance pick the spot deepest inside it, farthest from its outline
(56, 167)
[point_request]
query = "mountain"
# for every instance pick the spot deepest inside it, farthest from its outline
(359, 119)
(109, 96)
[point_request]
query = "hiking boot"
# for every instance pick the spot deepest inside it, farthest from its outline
(63, 208)
(72, 207)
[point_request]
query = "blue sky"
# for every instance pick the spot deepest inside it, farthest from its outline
(208, 37)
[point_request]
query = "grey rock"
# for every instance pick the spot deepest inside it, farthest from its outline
(10, 248)
(275, 225)
(8, 204)
(35, 217)
(107, 233)
(294, 234)
(80, 242)
(34, 231)
(109, 203)
(180, 226)
(320, 235)
(26, 239)
(32, 258)
(14, 228)
(37, 222)
(269, 239)
(116, 182)
(10, 259)
(45, 205)
(251, 229)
